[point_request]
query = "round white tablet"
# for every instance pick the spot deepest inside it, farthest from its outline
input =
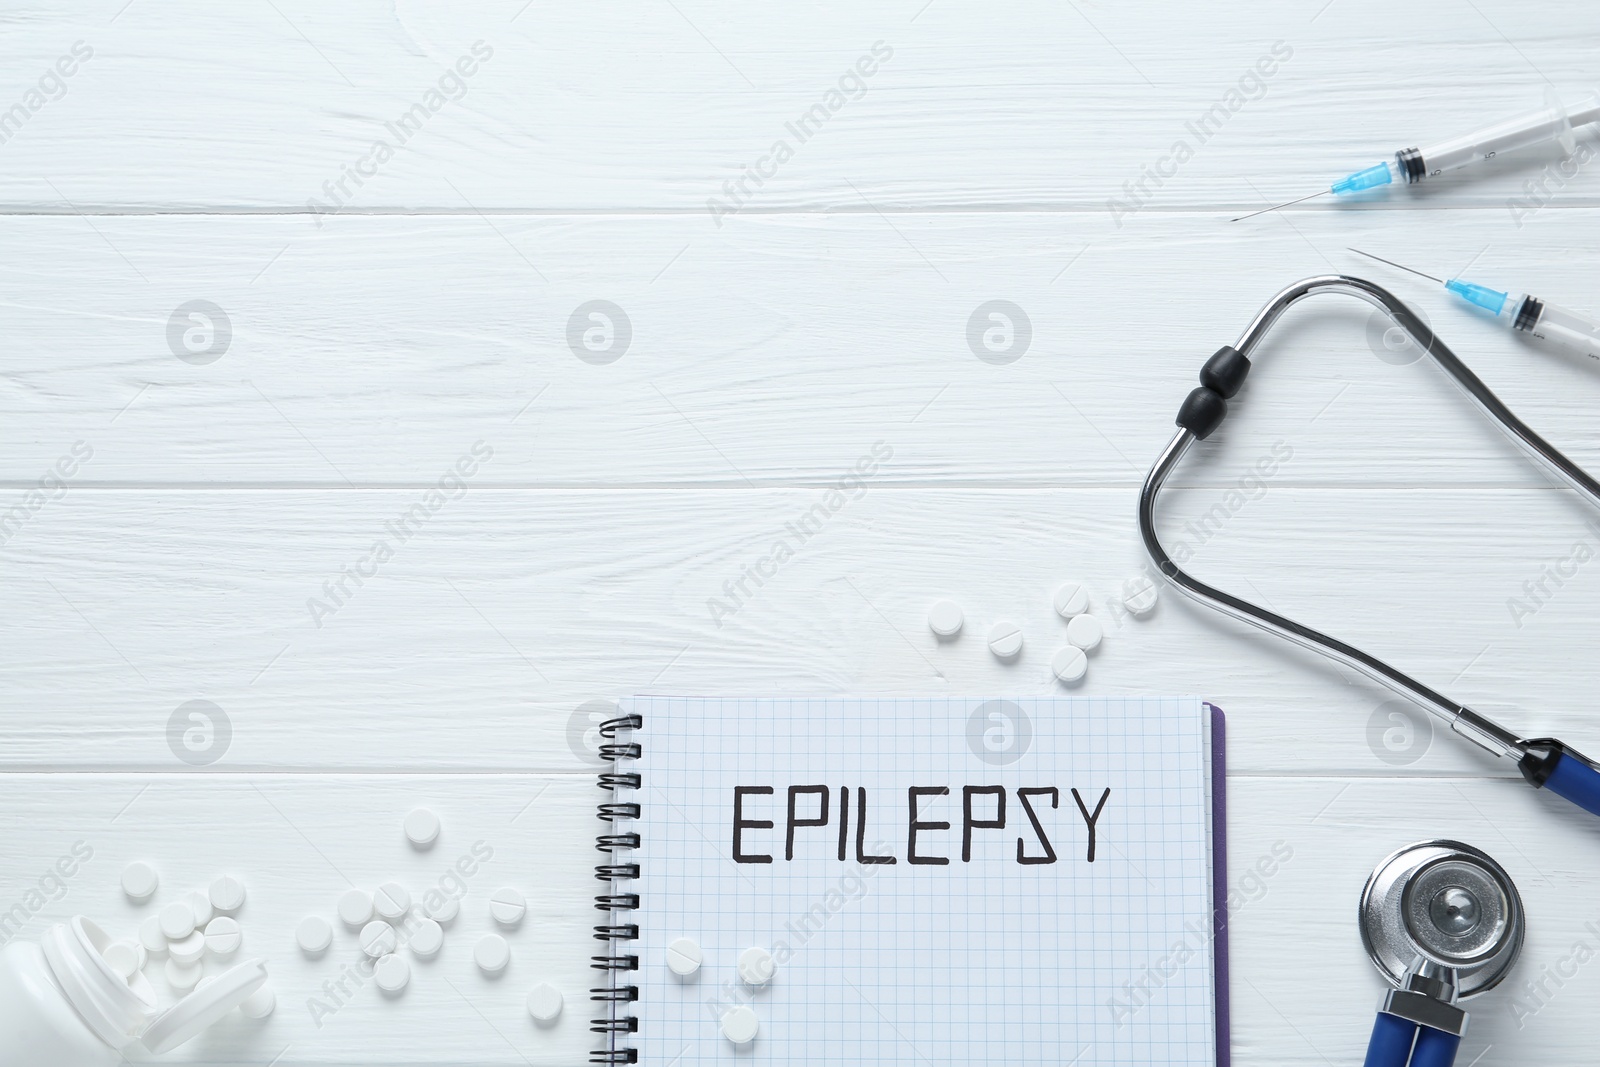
(125, 957)
(545, 1002)
(1005, 640)
(422, 828)
(508, 906)
(200, 904)
(186, 951)
(945, 618)
(1085, 632)
(151, 937)
(180, 977)
(1139, 594)
(223, 936)
(139, 881)
(227, 894)
(355, 907)
(756, 966)
(1071, 599)
(684, 957)
(1070, 665)
(392, 973)
(740, 1025)
(427, 938)
(445, 911)
(377, 939)
(177, 920)
(391, 901)
(259, 1005)
(491, 954)
(313, 935)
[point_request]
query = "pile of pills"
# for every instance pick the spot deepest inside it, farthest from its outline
(755, 967)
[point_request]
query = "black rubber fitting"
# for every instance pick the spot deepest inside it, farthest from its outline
(1202, 412)
(1225, 372)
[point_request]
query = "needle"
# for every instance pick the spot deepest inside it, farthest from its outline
(1291, 203)
(1392, 263)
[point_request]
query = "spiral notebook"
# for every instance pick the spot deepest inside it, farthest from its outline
(928, 881)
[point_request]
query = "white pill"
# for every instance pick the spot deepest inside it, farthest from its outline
(151, 937)
(1005, 640)
(508, 906)
(427, 938)
(223, 936)
(1139, 594)
(200, 904)
(1085, 632)
(740, 1025)
(227, 894)
(259, 1005)
(355, 907)
(186, 951)
(139, 881)
(1071, 599)
(491, 954)
(422, 828)
(445, 911)
(545, 1002)
(125, 958)
(313, 935)
(756, 966)
(1070, 664)
(945, 618)
(177, 920)
(392, 973)
(684, 957)
(180, 977)
(377, 939)
(391, 901)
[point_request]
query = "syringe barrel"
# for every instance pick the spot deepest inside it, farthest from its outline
(1555, 324)
(1536, 127)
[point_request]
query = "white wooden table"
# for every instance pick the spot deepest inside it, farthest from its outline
(778, 331)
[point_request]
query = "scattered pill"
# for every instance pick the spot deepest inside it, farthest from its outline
(187, 951)
(508, 906)
(151, 937)
(177, 920)
(313, 935)
(259, 1005)
(491, 954)
(392, 973)
(223, 936)
(945, 618)
(1005, 640)
(427, 938)
(377, 939)
(200, 904)
(181, 977)
(444, 910)
(355, 907)
(125, 958)
(1085, 631)
(422, 828)
(139, 881)
(227, 894)
(1071, 599)
(1070, 665)
(391, 901)
(545, 1002)
(740, 1025)
(684, 957)
(1139, 594)
(756, 966)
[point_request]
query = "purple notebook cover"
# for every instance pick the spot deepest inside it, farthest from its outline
(1219, 881)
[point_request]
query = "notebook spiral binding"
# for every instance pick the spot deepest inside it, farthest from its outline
(617, 965)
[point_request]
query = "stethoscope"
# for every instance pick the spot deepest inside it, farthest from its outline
(1544, 762)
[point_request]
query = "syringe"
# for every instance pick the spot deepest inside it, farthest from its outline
(1554, 122)
(1521, 311)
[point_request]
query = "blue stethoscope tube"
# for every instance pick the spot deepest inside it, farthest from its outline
(1544, 762)
(1398, 1042)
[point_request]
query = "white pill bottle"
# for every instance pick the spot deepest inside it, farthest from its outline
(61, 1004)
